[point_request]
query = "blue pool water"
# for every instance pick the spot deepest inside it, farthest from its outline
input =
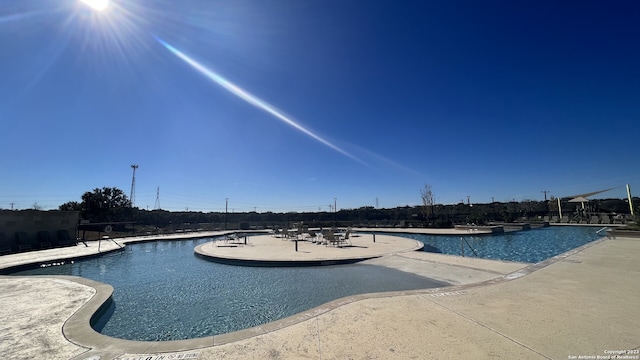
(164, 292)
(524, 246)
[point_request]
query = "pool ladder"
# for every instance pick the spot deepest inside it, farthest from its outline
(462, 241)
(607, 228)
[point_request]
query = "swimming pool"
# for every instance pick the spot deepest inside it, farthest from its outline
(530, 246)
(164, 292)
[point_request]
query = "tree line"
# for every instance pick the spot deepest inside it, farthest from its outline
(111, 205)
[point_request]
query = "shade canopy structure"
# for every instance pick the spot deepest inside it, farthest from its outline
(579, 199)
(582, 198)
(585, 195)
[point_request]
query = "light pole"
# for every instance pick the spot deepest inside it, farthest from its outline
(132, 195)
(226, 208)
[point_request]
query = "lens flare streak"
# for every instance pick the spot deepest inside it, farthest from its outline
(251, 99)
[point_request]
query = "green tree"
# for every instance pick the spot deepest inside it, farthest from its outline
(106, 204)
(70, 206)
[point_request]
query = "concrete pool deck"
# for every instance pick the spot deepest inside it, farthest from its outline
(270, 250)
(581, 303)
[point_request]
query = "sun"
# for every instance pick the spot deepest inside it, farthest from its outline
(97, 4)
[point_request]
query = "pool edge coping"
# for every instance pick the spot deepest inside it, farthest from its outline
(78, 330)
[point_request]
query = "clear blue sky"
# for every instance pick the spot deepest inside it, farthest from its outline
(356, 100)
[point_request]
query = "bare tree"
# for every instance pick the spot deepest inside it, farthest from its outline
(427, 201)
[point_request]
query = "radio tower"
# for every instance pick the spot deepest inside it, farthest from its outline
(132, 197)
(157, 206)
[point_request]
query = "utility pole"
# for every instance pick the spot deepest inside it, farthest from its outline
(12, 205)
(376, 203)
(226, 208)
(335, 211)
(545, 194)
(468, 199)
(133, 186)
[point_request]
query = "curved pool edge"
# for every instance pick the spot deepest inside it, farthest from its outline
(278, 263)
(26, 265)
(97, 343)
(267, 251)
(77, 329)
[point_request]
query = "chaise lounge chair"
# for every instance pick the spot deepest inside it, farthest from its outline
(44, 241)
(64, 239)
(5, 245)
(22, 241)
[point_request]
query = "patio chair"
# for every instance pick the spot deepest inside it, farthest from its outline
(64, 240)
(331, 238)
(230, 238)
(285, 232)
(5, 245)
(322, 237)
(22, 241)
(44, 241)
(300, 232)
(312, 236)
(605, 219)
(345, 239)
(594, 219)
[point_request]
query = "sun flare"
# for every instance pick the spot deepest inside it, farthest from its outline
(97, 4)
